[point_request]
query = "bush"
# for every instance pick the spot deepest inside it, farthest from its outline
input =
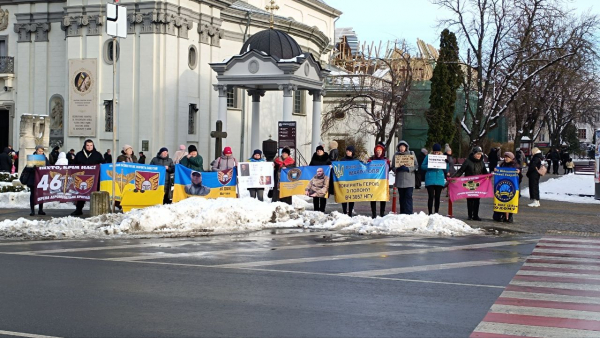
(6, 177)
(10, 188)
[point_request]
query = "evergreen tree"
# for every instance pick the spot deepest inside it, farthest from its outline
(445, 81)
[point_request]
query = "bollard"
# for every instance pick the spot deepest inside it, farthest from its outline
(450, 208)
(99, 203)
(394, 199)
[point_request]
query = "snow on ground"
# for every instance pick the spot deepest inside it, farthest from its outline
(567, 188)
(20, 200)
(197, 216)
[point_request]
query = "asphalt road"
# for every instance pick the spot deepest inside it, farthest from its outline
(288, 284)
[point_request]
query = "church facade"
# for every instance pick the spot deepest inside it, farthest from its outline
(54, 52)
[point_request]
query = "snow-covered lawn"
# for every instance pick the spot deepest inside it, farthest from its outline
(568, 188)
(196, 216)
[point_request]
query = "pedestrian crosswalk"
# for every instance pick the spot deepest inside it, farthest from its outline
(556, 293)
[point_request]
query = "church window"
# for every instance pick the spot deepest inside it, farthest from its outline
(192, 57)
(108, 116)
(298, 104)
(108, 51)
(192, 118)
(232, 97)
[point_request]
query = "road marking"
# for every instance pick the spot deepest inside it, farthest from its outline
(431, 267)
(562, 260)
(551, 297)
(569, 240)
(548, 304)
(248, 250)
(524, 272)
(21, 334)
(529, 331)
(567, 251)
(567, 286)
(41, 242)
(565, 323)
(593, 269)
(544, 312)
(373, 254)
(544, 245)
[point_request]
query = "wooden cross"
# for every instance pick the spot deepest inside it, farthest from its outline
(271, 8)
(219, 134)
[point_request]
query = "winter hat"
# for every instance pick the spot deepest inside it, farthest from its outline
(351, 148)
(535, 150)
(227, 151)
(192, 148)
(447, 148)
(477, 150)
(127, 146)
(62, 155)
(181, 147)
(320, 147)
(257, 151)
(509, 155)
(286, 150)
(39, 147)
(163, 149)
(437, 147)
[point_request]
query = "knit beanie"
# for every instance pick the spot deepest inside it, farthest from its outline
(320, 147)
(437, 147)
(351, 148)
(257, 151)
(192, 148)
(125, 147)
(477, 150)
(181, 147)
(509, 155)
(286, 150)
(163, 149)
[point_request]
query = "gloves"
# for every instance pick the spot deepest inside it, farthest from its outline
(404, 169)
(446, 160)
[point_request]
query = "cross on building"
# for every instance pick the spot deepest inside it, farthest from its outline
(219, 135)
(271, 8)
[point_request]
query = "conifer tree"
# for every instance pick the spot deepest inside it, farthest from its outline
(445, 81)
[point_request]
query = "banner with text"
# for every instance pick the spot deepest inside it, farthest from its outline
(189, 183)
(255, 174)
(470, 187)
(506, 190)
(64, 183)
(310, 181)
(436, 162)
(354, 181)
(136, 185)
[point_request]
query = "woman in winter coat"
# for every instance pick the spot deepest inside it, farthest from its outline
(320, 157)
(193, 160)
(350, 156)
(473, 166)
(509, 162)
(225, 161)
(257, 192)
(334, 153)
(405, 178)
(285, 161)
(39, 150)
(62, 159)
(435, 179)
(379, 155)
(537, 161)
(180, 154)
(127, 155)
(162, 159)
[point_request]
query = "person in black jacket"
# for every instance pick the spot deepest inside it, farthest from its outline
(162, 159)
(473, 166)
(537, 161)
(350, 156)
(564, 158)
(54, 155)
(39, 150)
(87, 156)
(555, 158)
(107, 156)
(5, 161)
(71, 157)
(142, 158)
(320, 157)
(493, 158)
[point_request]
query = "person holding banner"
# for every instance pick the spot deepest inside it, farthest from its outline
(257, 192)
(509, 162)
(192, 159)
(404, 164)
(162, 159)
(87, 156)
(320, 157)
(473, 166)
(39, 150)
(283, 162)
(379, 155)
(127, 155)
(435, 176)
(350, 156)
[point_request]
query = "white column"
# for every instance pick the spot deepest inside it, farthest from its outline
(255, 139)
(316, 118)
(288, 101)
(222, 89)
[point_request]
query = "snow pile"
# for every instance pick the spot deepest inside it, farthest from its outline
(196, 216)
(569, 188)
(20, 200)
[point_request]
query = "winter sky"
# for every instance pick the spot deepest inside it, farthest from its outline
(385, 20)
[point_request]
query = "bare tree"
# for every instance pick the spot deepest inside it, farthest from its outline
(508, 52)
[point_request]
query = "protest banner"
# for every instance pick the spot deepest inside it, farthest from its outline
(255, 174)
(136, 185)
(470, 187)
(404, 160)
(36, 160)
(354, 181)
(437, 161)
(506, 190)
(63, 183)
(311, 181)
(214, 184)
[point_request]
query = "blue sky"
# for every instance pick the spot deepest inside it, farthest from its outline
(375, 20)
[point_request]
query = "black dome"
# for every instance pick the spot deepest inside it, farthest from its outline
(275, 43)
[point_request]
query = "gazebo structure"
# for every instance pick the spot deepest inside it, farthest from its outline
(271, 60)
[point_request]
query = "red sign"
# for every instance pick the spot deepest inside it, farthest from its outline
(65, 183)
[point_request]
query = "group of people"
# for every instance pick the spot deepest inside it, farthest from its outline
(558, 157)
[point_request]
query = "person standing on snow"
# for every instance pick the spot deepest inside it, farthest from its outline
(225, 161)
(162, 159)
(39, 150)
(435, 180)
(193, 160)
(405, 178)
(285, 161)
(473, 166)
(509, 162)
(257, 192)
(537, 161)
(350, 156)
(493, 158)
(379, 155)
(320, 157)
(420, 175)
(87, 156)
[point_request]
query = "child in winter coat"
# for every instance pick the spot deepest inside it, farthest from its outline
(435, 179)
(257, 192)
(570, 165)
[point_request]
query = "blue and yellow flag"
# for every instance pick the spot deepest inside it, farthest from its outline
(354, 181)
(506, 190)
(136, 185)
(311, 181)
(216, 184)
